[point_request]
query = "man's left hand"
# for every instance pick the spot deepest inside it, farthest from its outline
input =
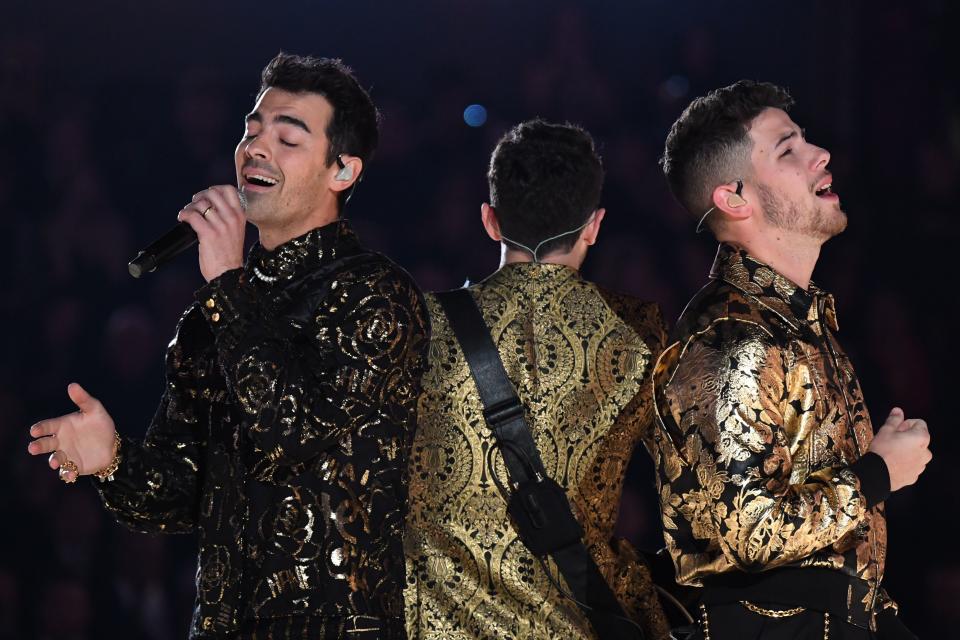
(217, 216)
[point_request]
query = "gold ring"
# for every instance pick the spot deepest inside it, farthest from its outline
(203, 214)
(66, 468)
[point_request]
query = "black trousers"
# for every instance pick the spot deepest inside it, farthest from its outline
(736, 622)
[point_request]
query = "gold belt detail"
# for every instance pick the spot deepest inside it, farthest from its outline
(705, 619)
(772, 613)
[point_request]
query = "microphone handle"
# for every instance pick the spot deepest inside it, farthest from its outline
(169, 245)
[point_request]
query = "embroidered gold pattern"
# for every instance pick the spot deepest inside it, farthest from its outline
(580, 358)
(280, 439)
(759, 414)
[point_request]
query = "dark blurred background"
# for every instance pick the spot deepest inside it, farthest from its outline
(112, 114)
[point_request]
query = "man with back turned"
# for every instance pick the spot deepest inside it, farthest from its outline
(579, 357)
(291, 387)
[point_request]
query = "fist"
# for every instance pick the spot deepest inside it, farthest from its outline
(904, 446)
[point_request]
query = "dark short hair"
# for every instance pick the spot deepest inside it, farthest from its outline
(709, 143)
(354, 125)
(545, 179)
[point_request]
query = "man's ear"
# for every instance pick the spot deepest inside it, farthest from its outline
(590, 232)
(732, 205)
(489, 218)
(343, 178)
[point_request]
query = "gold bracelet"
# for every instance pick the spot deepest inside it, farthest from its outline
(106, 474)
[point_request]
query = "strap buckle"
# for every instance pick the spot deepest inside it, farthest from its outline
(503, 412)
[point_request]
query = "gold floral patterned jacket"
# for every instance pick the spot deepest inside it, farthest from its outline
(761, 438)
(280, 440)
(580, 359)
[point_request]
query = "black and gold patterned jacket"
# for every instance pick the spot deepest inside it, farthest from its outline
(281, 437)
(580, 358)
(761, 445)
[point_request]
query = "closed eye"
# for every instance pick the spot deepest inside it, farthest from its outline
(287, 144)
(785, 153)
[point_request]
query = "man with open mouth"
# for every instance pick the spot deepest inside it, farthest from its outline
(291, 387)
(772, 481)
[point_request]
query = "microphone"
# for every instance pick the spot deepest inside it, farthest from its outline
(166, 247)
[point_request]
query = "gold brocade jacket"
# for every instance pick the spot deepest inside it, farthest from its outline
(761, 437)
(280, 439)
(580, 359)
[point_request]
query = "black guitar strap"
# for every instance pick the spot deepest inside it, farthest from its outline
(538, 505)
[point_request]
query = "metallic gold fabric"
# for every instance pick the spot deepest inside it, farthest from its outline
(281, 440)
(580, 359)
(759, 417)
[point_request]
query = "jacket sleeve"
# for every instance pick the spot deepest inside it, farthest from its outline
(156, 488)
(308, 373)
(738, 405)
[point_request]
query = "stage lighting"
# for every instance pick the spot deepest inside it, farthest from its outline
(475, 115)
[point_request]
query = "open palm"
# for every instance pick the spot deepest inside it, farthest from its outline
(85, 437)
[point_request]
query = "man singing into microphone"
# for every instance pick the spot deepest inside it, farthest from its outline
(291, 387)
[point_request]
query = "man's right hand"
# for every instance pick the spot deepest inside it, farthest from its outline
(903, 445)
(85, 437)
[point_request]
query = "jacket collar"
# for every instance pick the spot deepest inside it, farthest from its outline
(800, 308)
(313, 249)
(531, 278)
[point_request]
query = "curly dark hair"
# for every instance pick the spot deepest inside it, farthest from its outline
(544, 179)
(708, 145)
(354, 125)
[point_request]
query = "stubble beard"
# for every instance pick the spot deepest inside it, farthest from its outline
(254, 206)
(244, 202)
(822, 222)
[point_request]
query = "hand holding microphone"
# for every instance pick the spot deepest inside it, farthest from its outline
(216, 219)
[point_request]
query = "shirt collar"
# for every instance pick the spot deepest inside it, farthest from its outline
(797, 306)
(532, 274)
(309, 251)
